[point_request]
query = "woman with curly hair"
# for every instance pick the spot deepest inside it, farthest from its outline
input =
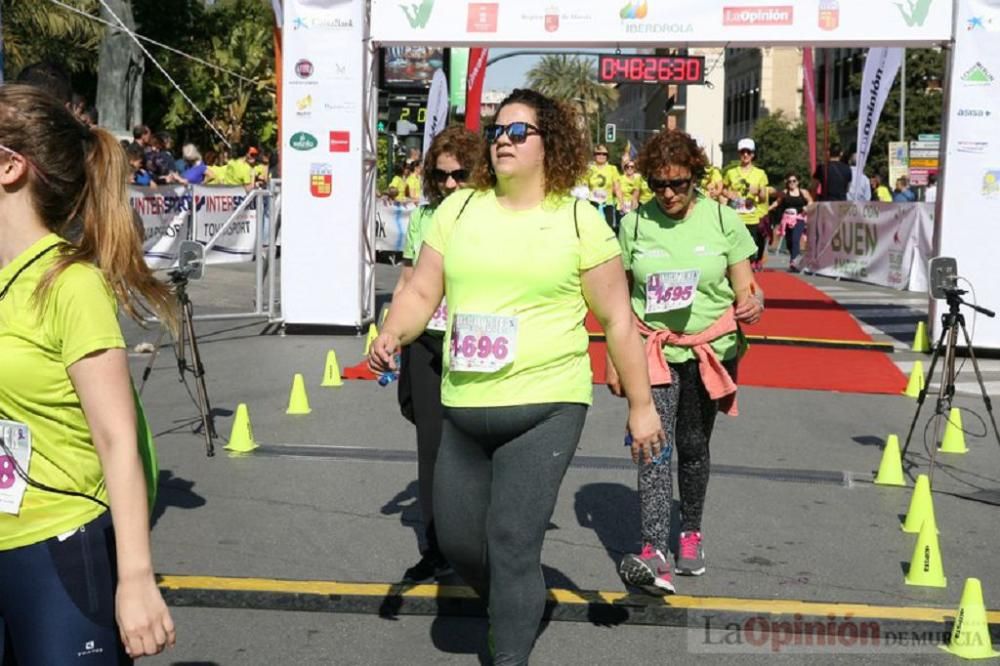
(520, 261)
(449, 161)
(687, 262)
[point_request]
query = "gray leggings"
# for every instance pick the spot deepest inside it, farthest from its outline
(495, 486)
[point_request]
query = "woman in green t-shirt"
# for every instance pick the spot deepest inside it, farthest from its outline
(686, 257)
(452, 155)
(520, 261)
(70, 255)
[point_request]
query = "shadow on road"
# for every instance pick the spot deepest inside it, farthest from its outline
(174, 492)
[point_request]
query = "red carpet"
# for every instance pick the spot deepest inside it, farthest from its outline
(795, 309)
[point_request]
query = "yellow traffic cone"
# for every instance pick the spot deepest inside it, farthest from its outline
(890, 470)
(241, 436)
(331, 375)
(298, 401)
(921, 506)
(916, 383)
(372, 334)
(926, 569)
(385, 313)
(954, 436)
(921, 343)
(970, 637)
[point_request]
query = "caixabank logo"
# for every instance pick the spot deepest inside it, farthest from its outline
(634, 14)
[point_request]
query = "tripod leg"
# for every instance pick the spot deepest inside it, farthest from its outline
(152, 358)
(207, 420)
(946, 391)
(982, 385)
(923, 392)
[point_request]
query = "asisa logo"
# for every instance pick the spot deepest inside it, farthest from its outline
(635, 9)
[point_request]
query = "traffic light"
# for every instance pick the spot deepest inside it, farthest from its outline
(610, 131)
(381, 127)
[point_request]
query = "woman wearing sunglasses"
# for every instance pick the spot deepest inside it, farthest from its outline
(520, 261)
(76, 579)
(686, 260)
(790, 206)
(604, 182)
(452, 155)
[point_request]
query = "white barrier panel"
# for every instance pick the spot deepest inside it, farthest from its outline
(165, 213)
(970, 189)
(213, 206)
(880, 243)
(323, 99)
(655, 22)
(392, 220)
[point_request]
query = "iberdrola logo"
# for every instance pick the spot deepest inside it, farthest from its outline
(915, 12)
(636, 9)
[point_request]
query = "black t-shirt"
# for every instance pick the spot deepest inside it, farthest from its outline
(837, 183)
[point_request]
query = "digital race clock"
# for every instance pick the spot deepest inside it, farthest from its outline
(651, 69)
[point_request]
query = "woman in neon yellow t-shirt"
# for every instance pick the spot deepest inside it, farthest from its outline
(687, 260)
(520, 260)
(69, 421)
(452, 156)
(630, 185)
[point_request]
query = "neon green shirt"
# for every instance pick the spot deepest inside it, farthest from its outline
(882, 193)
(645, 194)
(699, 242)
(712, 175)
(524, 264)
(750, 208)
(414, 187)
(237, 172)
(420, 221)
(37, 345)
(601, 181)
(630, 184)
(399, 184)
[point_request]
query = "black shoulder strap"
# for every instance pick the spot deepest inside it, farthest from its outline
(721, 228)
(576, 222)
(467, 200)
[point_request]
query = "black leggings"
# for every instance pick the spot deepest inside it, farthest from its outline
(760, 238)
(422, 367)
(495, 487)
(688, 416)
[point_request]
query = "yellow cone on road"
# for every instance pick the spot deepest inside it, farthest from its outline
(331, 374)
(298, 400)
(970, 637)
(916, 383)
(921, 506)
(370, 338)
(926, 568)
(241, 436)
(890, 470)
(954, 436)
(921, 343)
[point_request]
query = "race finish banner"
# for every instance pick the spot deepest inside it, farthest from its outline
(213, 206)
(887, 244)
(165, 213)
(392, 220)
(654, 22)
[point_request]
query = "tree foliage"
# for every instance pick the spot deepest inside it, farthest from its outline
(573, 79)
(782, 147)
(36, 31)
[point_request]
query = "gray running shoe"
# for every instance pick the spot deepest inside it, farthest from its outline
(648, 570)
(691, 555)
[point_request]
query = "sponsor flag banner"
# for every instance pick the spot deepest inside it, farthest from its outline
(165, 213)
(437, 109)
(474, 95)
(880, 243)
(213, 207)
(809, 101)
(881, 66)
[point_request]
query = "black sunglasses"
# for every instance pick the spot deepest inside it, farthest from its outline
(598, 154)
(517, 132)
(442, 176)
(678, 185)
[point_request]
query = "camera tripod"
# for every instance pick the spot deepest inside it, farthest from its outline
(186, 337)
(951, 322)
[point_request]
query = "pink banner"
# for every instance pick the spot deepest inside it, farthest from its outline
(809, 102)
(474, 91)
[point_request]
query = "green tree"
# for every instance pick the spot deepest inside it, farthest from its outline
(36, 30)
(573, 79)
(782, 147)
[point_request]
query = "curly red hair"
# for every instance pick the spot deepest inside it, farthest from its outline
(566, 154)
(462, 144)
(672, 147)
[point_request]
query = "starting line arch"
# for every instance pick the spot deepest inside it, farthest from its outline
(329, 102)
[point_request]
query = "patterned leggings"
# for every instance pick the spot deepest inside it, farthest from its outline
(688, 415)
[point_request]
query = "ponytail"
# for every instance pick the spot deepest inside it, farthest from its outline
(109, 235)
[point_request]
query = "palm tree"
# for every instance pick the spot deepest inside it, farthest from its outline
(573, 79)
(37, 30)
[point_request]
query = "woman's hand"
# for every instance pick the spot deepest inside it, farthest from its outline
(646, 433)
(382, 354)
(749, 310)
(144, 622)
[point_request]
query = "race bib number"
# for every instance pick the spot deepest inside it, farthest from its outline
(482, 343)
(671, 290)
(439, 320)
(600, 196)
(16, 452)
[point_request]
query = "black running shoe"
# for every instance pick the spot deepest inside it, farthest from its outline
(431, 565)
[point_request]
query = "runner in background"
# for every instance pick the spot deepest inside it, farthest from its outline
(789, 209)
(746, 190)
(420, 362)
(397, 186)
(686, 260)
(76, 579)
(603, 179)
(520, 261)
(631, 185)
(879, 191)
(414, 183)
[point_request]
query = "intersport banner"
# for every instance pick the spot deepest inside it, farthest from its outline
(213, 207)
(881, 66)
(165, 213)
(880, 243)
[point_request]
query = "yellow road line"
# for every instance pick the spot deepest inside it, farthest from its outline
(568, 597)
